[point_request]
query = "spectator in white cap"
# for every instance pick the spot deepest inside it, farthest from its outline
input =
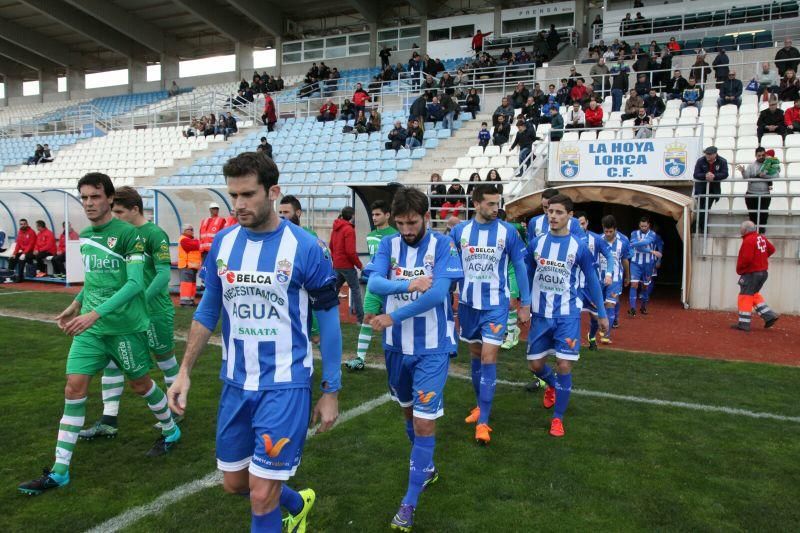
(209, 227)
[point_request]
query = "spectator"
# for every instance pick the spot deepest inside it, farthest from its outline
(328, 111)
(791, 118)
(676, 85)
(522, 56)
(60, 259)
(594, 115)
(721, 67)
(345, 259)
(556, 125)
(664, 69)
(415, 134)
(430, 87)
(45, 247)
(599, 73)
(597, 25)
(47, 157)
(450, 109)
(437, 193)
(531, 110)
(473, 178)
(731, 91)
(385, 54)
(563, 92)
(553, 40)
(230, 126)
(332, 83)
(269, 118)
(576, 118)
(419, 109)
(642, 125)
(692, 95)
(360, 125)
(768, 80)
(578, 92)
(243, 85)
(759, 185)
(673, 45)
(23, 250)
(477, 41)
(524, 139)
(347, 110)
(642, 86)
(447, 84)
(502, 131)
(209, 227)
(619, 85)
(494, 176)
(790, 87)
(435, 110)
(473, 103)
(520, 95)
(484, 136)
(174, 89)
(374, 123)
(771, 120)
(538, 95)
(632, 105)
(643, 63)
(752, 265)
(708, 172)
(572, 78)
(360, 99)
(626, 25)
(264, 146)
(653, 105)
(653, 49)
(455, 201)
(701, 71)
(189, 264)
(787, 57)
(397, 137)
(37, 155)
(506, 109)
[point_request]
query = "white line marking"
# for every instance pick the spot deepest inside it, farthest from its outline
(181, 492)
(6, 293)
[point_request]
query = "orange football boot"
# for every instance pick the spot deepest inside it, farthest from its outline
(549, 399)
(482, 434)
(473, 415)
(557, 428)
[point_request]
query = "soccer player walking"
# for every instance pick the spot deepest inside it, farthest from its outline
(373, 304)
(109, 321)
(414, 270)
(556, 261)
(621, 274)
(601, 255)
(128, 207)
(264, 276)
(486, 245)
(642, 242)
(539, 225)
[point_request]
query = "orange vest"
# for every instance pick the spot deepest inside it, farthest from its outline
(188, 259)
(231, 221)
(209, 228)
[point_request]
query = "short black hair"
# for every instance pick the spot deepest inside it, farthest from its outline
(407, 200)
(645, 218)
(564, 200)
(760, 149)
(609, 222)
(482, 190)
(347, 213)
(41, 224)
(128, 198)
(292, 200)
(25, 220)
(263, 139)
(501, 214)
(97, 179)
(382, 205)
(579, 214)
(248, 163)
(549, 193)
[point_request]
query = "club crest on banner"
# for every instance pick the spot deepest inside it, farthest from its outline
(675, 157)
(569, 161)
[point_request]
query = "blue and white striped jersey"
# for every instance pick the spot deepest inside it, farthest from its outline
(435, 255)
(642, 247)
(555, 264)
(262, 282)
(485, 250)
(539, 225)
(620, 249)
(658, 244)
(600, 252)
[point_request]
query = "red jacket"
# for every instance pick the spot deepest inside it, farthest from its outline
(477, 40)
(791, 115)
(26, 241)
(46, 242)
(360, 98)
(594, 118)
(343, 245)
(269, 109)
(209, 227)
(754, 254)
(62, 241)
(578, 92)
(328, 108)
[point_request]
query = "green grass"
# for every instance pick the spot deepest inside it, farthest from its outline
(622, 466)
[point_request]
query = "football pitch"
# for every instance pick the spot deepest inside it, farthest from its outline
(653, 442)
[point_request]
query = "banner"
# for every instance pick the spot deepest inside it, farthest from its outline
(624, 159)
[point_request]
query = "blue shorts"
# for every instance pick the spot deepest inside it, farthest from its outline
(554, 336)
(612, 292)
(418, 381)
(262, 430)
(641, 272)
(487, 325)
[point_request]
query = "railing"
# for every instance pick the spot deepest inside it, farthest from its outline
(518, 40)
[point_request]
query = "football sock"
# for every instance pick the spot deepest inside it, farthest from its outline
(611, 312)
(169, 366)
(157, 402)
(291, 500)
(476, 378)
(632, 297)
(364, 338)
(546, 374)
(616, 309)
(563, 390)
(267, 523)
(645, 294)
(71, 423)
(421, 454)
(594, 325)
(488, 383)
(512, 322)
(113, 383)
(650, 288)
(410, 430)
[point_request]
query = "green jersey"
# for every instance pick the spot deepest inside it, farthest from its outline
(109, 252)
(374, 238)
(311, 231)
(156, 252)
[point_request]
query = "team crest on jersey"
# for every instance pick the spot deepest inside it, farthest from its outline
(222, 268)
(675, 157)
(571, 259)
(325, 252)
(111, 241)
(453, 251)
(284, 271)
(501, 243)
(569, 161)
(464, 242)
(428, 261)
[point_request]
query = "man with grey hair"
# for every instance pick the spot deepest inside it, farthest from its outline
(787, 57)
(752, 266)
(767, 79)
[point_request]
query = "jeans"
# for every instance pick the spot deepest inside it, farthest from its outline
(17, 265)
(758, 210)
(616, 99)
(412, 142)
(350, 276)
(721, 101)
(523, 155)
(698, 105)
(447, 121)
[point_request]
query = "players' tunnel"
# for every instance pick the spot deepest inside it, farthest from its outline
(669, 211)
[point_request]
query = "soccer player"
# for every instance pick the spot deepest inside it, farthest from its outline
(601, 255)
(108, 319)
(539, 225)
(414, 270)
(658, 252)
(621, 274)
(373, 304)
(264, 276)
(642, 241)
(291, 209)
(555, 262)
(513, 331)
(486, 246)
(128, 207)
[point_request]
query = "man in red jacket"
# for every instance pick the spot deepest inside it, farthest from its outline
(752, 267)
(60, 259)
(477, 41)
(791, 118)
(23, 249)
(345, 259)
(45, 247)
(269, 118)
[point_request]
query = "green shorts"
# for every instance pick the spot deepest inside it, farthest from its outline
(513, 288)
(161, 334)
(373, 304)
(89, 354)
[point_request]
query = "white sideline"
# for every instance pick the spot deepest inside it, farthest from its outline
(177, 494)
